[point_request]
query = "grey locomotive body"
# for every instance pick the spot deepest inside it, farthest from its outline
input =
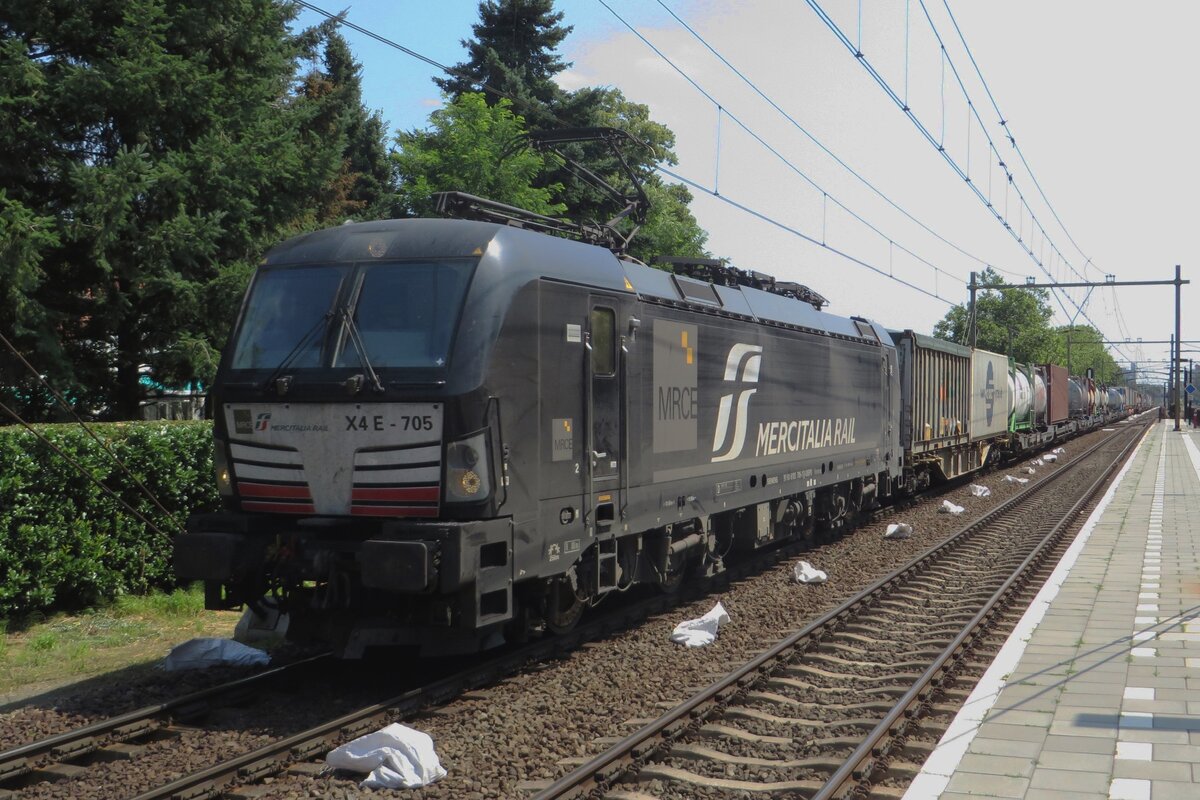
(432, 431)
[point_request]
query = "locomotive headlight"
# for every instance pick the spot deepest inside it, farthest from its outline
(467, 475)
(221, 467)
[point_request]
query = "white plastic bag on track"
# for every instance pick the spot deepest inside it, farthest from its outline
(1050, 458)
(980, 491)
(397, 757)
(1015, 479)
(702, 631)
(805, 572)
(949, 508)
(898, 530)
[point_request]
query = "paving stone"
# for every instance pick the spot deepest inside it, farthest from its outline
(988, 785)
(1156, 770)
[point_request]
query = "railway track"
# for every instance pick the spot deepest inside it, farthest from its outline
(838, 707)
(68, 756)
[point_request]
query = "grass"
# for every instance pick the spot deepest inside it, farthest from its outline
(131, 632)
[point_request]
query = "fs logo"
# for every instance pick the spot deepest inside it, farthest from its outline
(263, 421)
(741, 366)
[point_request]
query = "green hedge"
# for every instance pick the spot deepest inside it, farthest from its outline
(65, 543)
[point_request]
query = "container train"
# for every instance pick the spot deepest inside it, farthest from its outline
(443, 432)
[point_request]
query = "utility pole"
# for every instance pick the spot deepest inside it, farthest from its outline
(1175, 350)
(971, 313)
(1171, 383)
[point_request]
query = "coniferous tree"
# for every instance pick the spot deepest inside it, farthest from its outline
(153, 149)
(513, 53)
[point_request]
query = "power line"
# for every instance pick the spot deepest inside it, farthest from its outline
(342, 20)
(1003, 122)
(86, 472)
(771, 149)
(938, 145)
(797, 232)
(755, 88)
(62, 402)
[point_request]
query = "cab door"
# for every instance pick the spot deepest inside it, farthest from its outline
(605, 451)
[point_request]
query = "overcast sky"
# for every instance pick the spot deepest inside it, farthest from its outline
(1097, 95)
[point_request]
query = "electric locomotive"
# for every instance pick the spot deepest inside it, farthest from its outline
(442, 432)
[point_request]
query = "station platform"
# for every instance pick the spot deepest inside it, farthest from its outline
(1096, 694)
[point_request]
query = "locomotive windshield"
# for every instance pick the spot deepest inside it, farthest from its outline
(405, 313)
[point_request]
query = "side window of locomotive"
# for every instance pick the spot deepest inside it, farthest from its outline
(285, 312)
(406, 312)
(604, 344)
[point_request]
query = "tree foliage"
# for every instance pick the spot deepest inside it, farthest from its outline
(475, 148)
(153, 148)
(513, 53)
(1015, 322)
(1080, 348)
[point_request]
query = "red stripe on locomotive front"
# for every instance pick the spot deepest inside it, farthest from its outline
(269, 490)
(411, 494)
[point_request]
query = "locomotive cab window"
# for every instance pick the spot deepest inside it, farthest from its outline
(284, 316)
(405, 313)
(604, 341)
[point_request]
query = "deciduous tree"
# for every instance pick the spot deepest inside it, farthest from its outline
(474, 148)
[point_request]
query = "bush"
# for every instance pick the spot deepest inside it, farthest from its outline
(67, 544)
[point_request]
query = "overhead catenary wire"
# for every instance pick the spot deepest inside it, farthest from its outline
(929, 136)
(769, 147)
(797, 232)
(821, 145)
(1004, 123)
(521, 102)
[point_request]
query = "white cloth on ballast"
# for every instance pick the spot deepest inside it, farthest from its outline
(898, 530)
(397, 757)
(702, 631)
(805, 572)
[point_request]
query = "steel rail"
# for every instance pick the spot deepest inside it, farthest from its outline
(597, 769)
(14, 762)
(903, 712)
(277, 756)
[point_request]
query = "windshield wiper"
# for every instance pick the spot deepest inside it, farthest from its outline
(320, 325)
(359, 347)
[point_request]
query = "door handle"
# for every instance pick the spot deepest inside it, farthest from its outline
(597, 456)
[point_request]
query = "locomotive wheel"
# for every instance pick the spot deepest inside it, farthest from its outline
(676, 570)
(563, 606)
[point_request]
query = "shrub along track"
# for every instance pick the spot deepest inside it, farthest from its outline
(824, 712)
(514, 732)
